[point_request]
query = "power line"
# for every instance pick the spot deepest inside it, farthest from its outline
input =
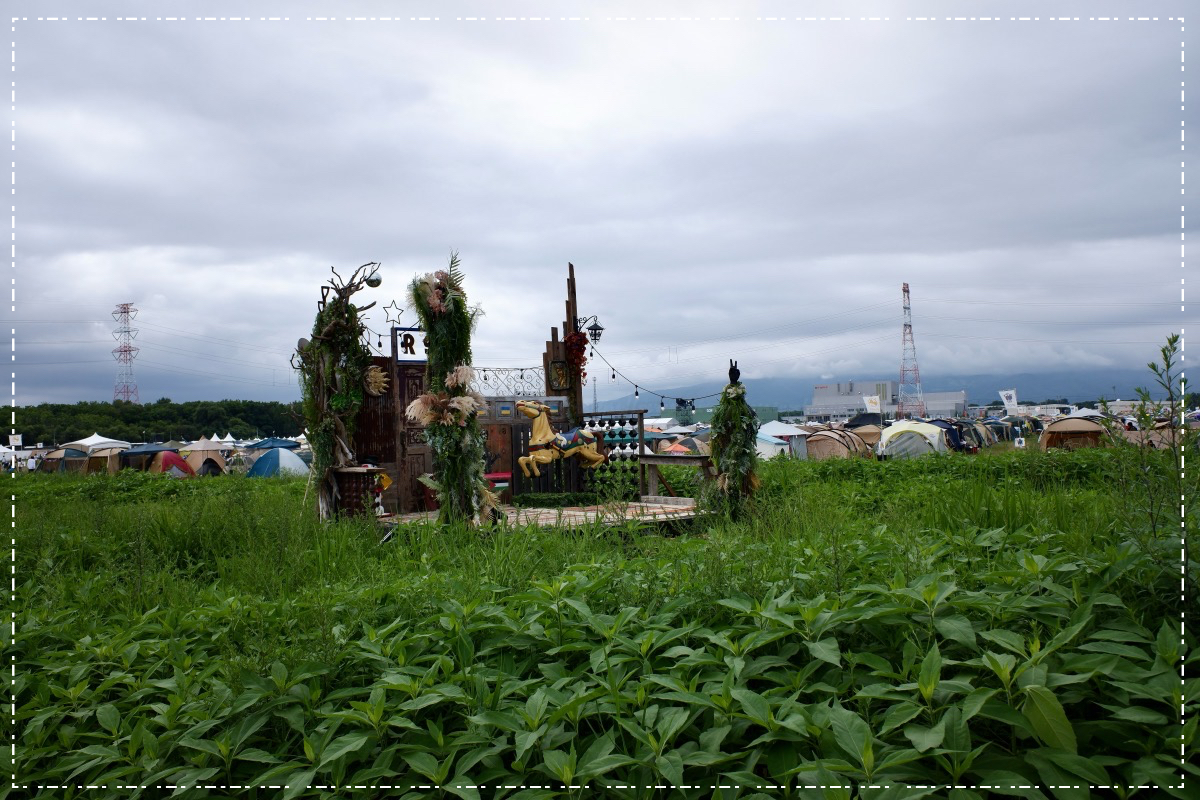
(1047, 341)
(177, 332)
(56, 363)
(225, 375)
(708, 373)
(1085, 323)
(142, 343)
(775, 344)
(169, 368)
(164, 328)
(1031, 303)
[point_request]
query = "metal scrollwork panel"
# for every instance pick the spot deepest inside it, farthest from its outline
(508, 381)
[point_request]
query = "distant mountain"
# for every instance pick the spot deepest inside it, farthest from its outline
(1032, 387)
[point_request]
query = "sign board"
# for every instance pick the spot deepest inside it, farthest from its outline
(1019, 441)
(14, 439)
(559, 376)
(410, 345)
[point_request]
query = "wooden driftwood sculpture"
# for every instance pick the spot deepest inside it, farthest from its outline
(334, 374)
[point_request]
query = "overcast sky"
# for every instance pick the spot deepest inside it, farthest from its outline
(756, 188)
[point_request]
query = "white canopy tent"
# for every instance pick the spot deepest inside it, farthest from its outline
(96, 442)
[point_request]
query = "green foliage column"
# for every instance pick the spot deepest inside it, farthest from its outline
(333, 365)
(733, 447)
(448, 409)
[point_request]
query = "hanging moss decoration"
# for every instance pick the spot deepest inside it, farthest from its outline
(333, 367)
(733, 446)
(448, 409)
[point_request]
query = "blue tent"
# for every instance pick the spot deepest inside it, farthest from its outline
(277, 461)
(952, 433)
(270, 442)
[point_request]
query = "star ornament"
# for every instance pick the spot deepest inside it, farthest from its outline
(393, 318)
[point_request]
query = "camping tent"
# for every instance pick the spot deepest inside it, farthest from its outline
(205, 456)
(64, 459)
(692, 445)
(865, 418)
(271, 442)
(905, 444)
(954, 437)
(935, 434)
(95, 442)
(835, 444)
(869, 434)
(277, 461)
(971, 438)
(1001, 430)
(142, 456)
(986, 434)
(171, 463)
(1071, 433)
(107, 459)
(769, 446)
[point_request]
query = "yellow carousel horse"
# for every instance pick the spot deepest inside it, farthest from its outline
(546, 446)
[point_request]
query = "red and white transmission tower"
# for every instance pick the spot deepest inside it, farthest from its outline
(910, 401)
(125, 387)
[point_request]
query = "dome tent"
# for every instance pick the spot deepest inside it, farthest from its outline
(171, 463)
(905, 444)
(935, 434)
(277, 461)
(836, 444)
(205, 456)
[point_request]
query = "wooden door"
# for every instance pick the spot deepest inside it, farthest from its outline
(415, 456)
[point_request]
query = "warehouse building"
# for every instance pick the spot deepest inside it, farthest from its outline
(837, 402)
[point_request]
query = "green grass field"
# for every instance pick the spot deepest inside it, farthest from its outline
(945, 627)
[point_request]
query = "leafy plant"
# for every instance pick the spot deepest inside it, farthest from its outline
(448, 409)
(733, 444)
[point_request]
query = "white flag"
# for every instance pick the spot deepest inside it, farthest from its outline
(872, 403)
(1009, 396)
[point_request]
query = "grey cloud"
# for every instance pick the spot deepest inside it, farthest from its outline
(706, 180)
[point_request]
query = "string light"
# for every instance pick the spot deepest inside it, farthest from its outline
(636, 388)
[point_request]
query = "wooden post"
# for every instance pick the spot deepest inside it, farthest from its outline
(571, 326)
(557, 351)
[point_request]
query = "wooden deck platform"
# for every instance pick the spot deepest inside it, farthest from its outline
(649, 509)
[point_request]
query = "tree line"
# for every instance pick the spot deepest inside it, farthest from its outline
(160, 421)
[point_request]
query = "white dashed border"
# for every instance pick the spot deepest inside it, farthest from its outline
(1182, 342)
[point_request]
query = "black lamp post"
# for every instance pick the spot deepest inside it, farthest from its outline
(595, 330)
